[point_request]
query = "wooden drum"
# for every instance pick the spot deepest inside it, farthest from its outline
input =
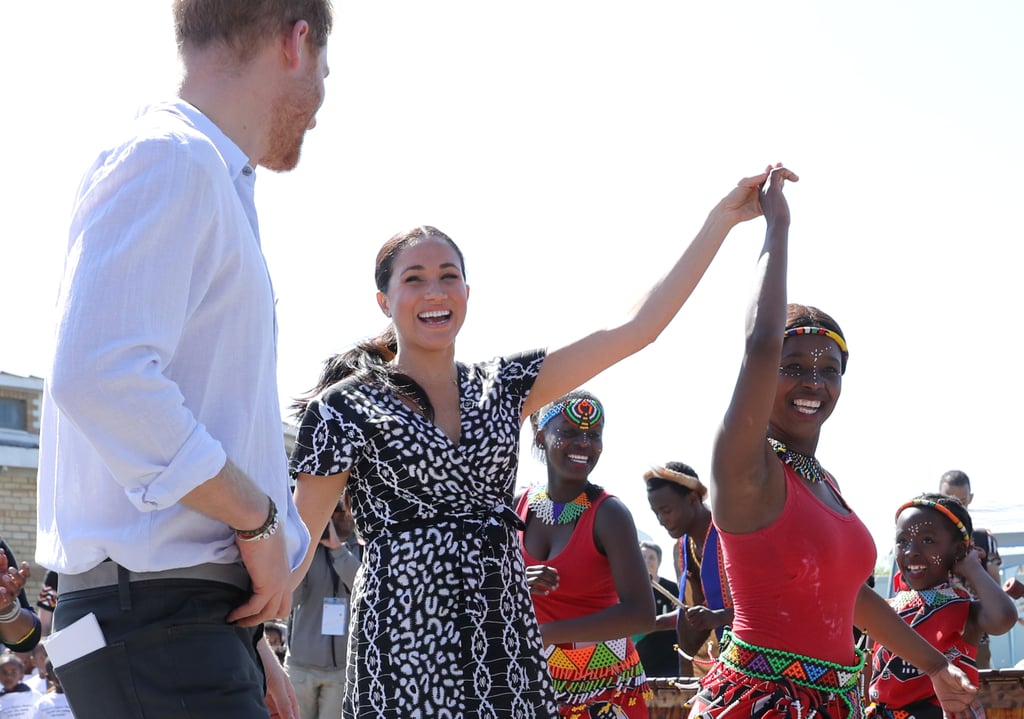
(670, 697)
(1001, 691)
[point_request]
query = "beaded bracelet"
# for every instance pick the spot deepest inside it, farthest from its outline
(263, 531)
(12, 614)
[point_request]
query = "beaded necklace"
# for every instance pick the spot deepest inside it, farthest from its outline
(805, 465)
(551, 512)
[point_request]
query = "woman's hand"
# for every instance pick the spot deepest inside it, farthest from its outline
(541, 579)
(772, 200)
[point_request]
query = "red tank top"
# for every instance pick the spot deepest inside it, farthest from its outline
(585, 583)
(795, 582)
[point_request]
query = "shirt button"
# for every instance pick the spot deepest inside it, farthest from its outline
(247, 171)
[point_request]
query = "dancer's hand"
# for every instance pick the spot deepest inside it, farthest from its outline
(773, 201)
(704, 619)
(744, 202)
(12, 581)
(956, 694)
(541, 579)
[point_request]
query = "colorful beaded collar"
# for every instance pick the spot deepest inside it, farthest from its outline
(551, 512)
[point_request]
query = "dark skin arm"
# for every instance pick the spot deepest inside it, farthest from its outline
(747, 481)
(12, 582)
(688, 637)
(993, 612)
(615, 535)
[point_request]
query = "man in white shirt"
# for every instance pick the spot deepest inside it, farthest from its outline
(163, 495)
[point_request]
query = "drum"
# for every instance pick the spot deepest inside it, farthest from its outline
(671, 697)
(1001, 692)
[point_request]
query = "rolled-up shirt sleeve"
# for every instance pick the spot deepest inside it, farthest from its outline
(142, 261)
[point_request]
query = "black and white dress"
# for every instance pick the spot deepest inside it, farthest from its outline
(442, 621)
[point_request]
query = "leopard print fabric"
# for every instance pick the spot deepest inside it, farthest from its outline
(442, 621)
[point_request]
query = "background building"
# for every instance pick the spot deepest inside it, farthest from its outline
(20, 402)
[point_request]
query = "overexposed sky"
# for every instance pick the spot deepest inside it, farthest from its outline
(572, 148)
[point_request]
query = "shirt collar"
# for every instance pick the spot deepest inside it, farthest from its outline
(233, 156)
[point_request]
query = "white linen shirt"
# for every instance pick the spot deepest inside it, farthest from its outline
(165, 357)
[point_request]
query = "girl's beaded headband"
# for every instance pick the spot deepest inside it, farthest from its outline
(938, 507)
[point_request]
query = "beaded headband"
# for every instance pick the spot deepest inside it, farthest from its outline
(936, 506)
(580, 411)
(686, 480)
(831, 334)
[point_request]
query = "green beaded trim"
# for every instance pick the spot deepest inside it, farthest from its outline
(780, 665)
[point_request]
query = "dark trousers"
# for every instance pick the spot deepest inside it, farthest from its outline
(169, 653)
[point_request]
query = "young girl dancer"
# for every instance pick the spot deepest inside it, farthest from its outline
(933, 552)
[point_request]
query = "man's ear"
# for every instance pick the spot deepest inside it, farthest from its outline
(382, 302)
(296, 42)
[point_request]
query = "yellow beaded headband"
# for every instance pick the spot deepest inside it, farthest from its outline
(685, 480)
(831, 334)
(938, 507)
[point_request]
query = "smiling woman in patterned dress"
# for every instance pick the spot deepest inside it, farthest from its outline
(442, 623)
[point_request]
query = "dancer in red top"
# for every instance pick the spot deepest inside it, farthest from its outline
(584, 567)
(933, 551)
(796, 556)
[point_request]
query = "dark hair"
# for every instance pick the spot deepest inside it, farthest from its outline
(243, 26)
(656, 483)
(955, 506)
(956, 478)
(385, 263)
(368, 360)
(809, 316)
(653, 546)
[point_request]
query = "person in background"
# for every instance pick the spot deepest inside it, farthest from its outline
(277, 637)
(163, 495)
(796, 555)
(934, 553)
(657, 648)
(956, 483)
(317, 642)
(588, 581)
(20, 628)
(16, 697)
(47, 601)
(38, 680)
(431, 447)
(676, 496)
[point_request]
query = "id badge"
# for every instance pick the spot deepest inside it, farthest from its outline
(335, 619)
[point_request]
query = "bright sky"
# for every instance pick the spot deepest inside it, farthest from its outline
(572, 148)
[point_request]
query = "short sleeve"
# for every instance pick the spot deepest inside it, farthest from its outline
(329, 437)
(518, 373)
